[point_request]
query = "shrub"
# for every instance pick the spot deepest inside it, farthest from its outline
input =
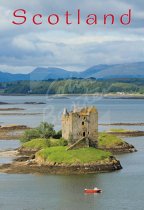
(44, 130)
(63, 142)
(58, 134)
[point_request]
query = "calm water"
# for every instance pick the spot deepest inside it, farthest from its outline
(6, 145)
(122, 190)
(110, 110)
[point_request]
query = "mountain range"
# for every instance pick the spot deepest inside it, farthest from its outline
(128, 71)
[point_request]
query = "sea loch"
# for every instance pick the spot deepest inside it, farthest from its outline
(42, 192)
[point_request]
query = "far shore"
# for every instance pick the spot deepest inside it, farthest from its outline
(107, 95)
(122, 124)
(11, 132)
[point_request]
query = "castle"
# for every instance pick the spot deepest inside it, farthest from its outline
(80, 127)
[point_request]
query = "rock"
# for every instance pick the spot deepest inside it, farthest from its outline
(13, 127)
(25, 151)
(32, 157)
(124, 148)
(21, 159)
(31, 166)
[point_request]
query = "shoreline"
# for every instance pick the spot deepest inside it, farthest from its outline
(122, 124)
(32, 167)
(120, 150)
(109, 95)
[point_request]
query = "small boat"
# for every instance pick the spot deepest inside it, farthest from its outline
(91, 191)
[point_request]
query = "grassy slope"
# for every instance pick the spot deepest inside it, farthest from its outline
(36, 144)
(51, 151)
(105, 140)
(42, 143)
(109, 141)
(83, 155)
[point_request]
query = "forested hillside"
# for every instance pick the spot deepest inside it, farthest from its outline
(73, 86)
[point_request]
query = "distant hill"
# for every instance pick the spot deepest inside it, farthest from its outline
(8, 77)
(132, 70)
(51, 73)
(91, 72)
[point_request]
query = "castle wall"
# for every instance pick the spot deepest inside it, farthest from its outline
(80, 126)
(93, 126)
(66, 127)
(76, 125)
(93, 129)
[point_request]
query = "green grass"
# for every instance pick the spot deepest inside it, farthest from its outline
(43, 143)
(36, 144)
(109, 140)
(78, 156)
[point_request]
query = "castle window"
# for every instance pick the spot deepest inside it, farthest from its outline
(82, 123)
(83, 134)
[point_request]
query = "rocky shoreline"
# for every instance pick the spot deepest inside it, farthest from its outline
(26, 162)
(33, 166)
(125, 148)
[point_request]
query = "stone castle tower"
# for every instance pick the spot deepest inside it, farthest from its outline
(80, 127)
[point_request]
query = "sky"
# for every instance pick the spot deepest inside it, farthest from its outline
(74, 47)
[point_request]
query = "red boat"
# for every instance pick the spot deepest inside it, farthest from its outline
(91, 191)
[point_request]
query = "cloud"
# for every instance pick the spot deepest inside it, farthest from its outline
(73, 47)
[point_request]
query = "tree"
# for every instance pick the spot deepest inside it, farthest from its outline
(46, 130)
(58, 134)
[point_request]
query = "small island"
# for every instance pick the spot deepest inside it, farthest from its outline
(125, 133)
(78, 149)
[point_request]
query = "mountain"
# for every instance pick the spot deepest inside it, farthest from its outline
(92, 71)
(51, 73)
(8, 77)
(131, 70)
